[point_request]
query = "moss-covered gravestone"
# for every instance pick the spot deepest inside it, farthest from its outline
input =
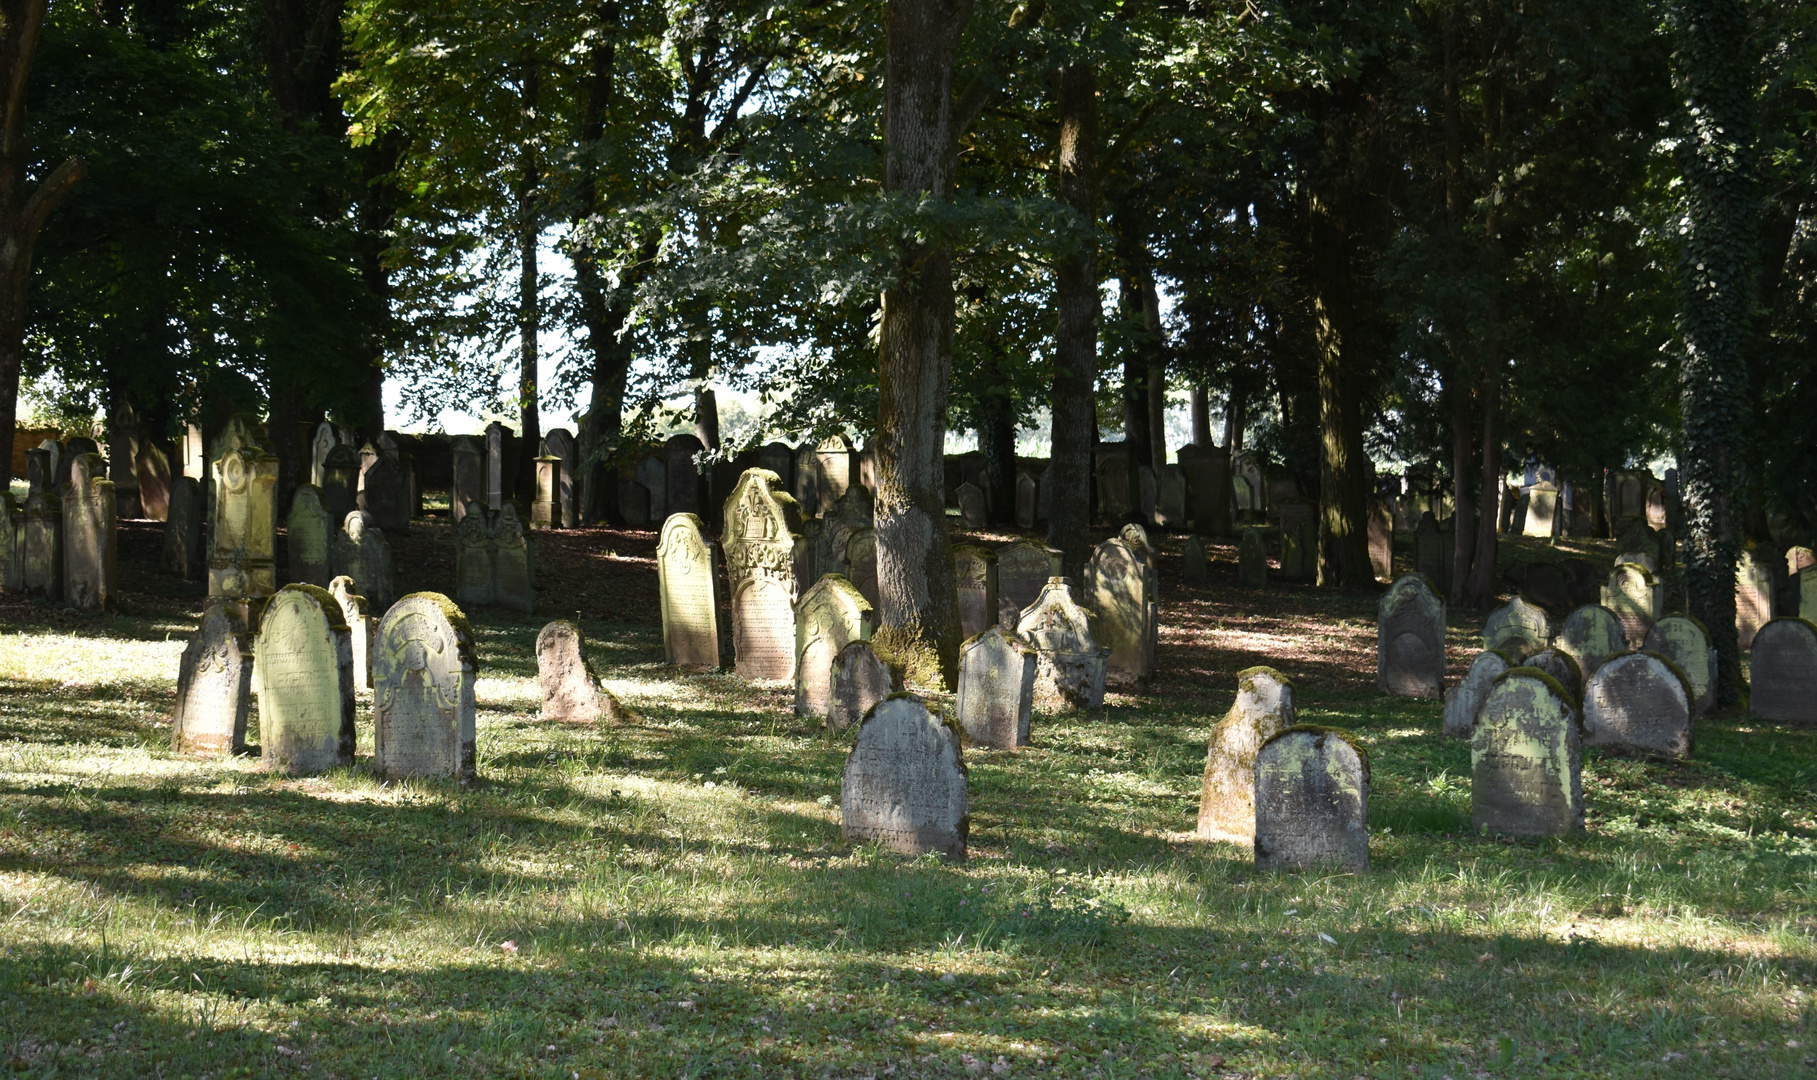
(308, 536)
(1193, 565)
(1637, 703)
(214, 686)
(904, 783)
(1517, 628)
(1590, 635)
(1684, 641)
(423, 671)
(304, 678)
(1526, 759)
(1465, 700)
(688, 587)
(860, 680)
(762, 529)
(996, 689)
(1636, 598)
(1252, 560)
(1410, 639)
(1783, 678)
(571, 689)
(1069, 664)
(1563, 668)
(1116, 588)
(1023, 569)
(360, 626)
(832, 615)
(91, 565)
(1264, 706)
(1311, 801)
(975, 579)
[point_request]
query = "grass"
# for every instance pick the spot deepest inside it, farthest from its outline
(670, 897)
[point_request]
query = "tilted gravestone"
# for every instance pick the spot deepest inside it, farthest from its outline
(830, 616)
(1023, 570)
(185, 553)
(974, 513)
(12, 545)
(1465, 700)
(468, 478)
(91, 564)
(759, 544)
(904, 783)
(689, 591)
(1636, 702)
(1636, 598)
(1311, 801)
(1783, 678)
(1753, 596)
(1684, 641)
(1590, 635)
(1252, 559)
(1410, 639)
(1263, 708)
(860, 680)
(1526, 759)
(1117, 590)
(1193, 566)
(303, 674)
(360, 626)
(1517, 628)
(570, 686)
(340, 481)
(308, 537)
(214, 686)
(423, 671)
(385, 494)
(975, 579)
(1069, 664)
(243, 543)
(361, 553)
(1563, 668)
(1381, 542)
(996, 689)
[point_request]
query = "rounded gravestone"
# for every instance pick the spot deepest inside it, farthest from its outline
(1562, 666)
(214, 687)
(1311, 801)
(1590, 635)
(996, 689)
(860, 680)
(423, 670)
(1526, 759)
(1410, 639)
(1638, 703)
(1783, 682)
(1264, 706)
(830, 616)
(1684, 641)
(1252, 559)
(1194, 567)
(571, 690)
(1465, 700)
(1517, 628)
(687, 586)
(303, 674)
(904, 784)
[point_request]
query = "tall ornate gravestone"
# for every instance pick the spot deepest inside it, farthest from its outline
(687, 489)
(185, 553)
(12, 545)
(688, 587)
(860, 562)
(1526, 759)
(1252, 560)
(1027, 494)
(1023, 570)
(1636, 598)
(1311, 801)
(1753, 596)
(308, 537)
(1563, 669)
(385, 494)
(326, 439)
(1542, 510)
(423, 671)
(214, 687)
(1069, 664)
(1170, 498)
(1111, 471)
(973, 511)
(91, 565)
(1193, 565)
(1637, 703)
(837, 468)
(303, 673)
(1465, 700)
(1381, 542)
(242, 564)
(361, 553)
(762, 528)
(830, 615)
(996, 689)
(1263, 708)
(1517, 628)
(1116, 588)
(340, 481)
(1410, 639)
(571, 689)
(560, 444)
(860, 679)
(1206, 470)
(975, 579)
(498, 470)
(545, 509)
(904, 782)
(1783, 677)
(1590, 635)
(360, 626)
(469, 476)
(1684, 641)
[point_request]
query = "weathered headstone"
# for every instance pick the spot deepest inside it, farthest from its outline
(214, 687)
(1069, 664)
(1637, 703)
(1542, 510)
(1636, 598)
(1027, 492)
(303, 672)
(1641, 559)
(1252, 560)
(1263, 708)
(513, 562)
(385, 495)
(1753, 596)
(653, 474)
(1465, 700)
(1783, 676)
(423, 671)
(1116, 589)
(360, 626)
(474, 585)
(571, 689)
(91, 570)
(779, 458)
(1590, 635)
(1526, 759)
(904, 783)
(309, 533)
(1684, 641)
(1193, 565)
(559, 443)
(545, 509)
(1115, 500)
(1381, 542)
(12, 545)
(996, 689)
(1563, 668)
(468, 479)
(861, 562)
(1207, 472)
(243, 544)
(831, 615)
(361, 552)
(1147, 493)
(1311, 801)
(185, 551)
(326, 439)
(1246, 486)
(975, 579)
(1517, 628)
(499, 473)
(1023, 569)
(1410, 639)
(762, 528)
(837, 465)
(41, 551)
(340, 481)
(689, 590)
(973, 511)
(151, 469)
(860, 679)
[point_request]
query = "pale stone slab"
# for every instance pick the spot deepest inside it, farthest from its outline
(1263, 708)
(996, 689)
(974, 512)
(1563, 668)
(1311, 801)
(91, 565)
(214, 687)
(975, 579)
(860, 679)
(759, 545)
(1753, 596)
(1116, 589)
(1636, 598)
(361, 553)
(1410, 639)
(304, 677)
(571, 689)
(326, 439)
(308, 537)
(1636, 702)
(1023, 570)
(905, 782)
(360, 626)
(1526, 759)
(1542, 511)
(1684, 641)
(1783, 682)
(423, 673)
(1465, 700)
(830, 616)
(689, 590)
(1069, 664)
(1518, 628)
(1194, 567)
(1590, 635)
(1252, 560)
(242, 562)
(185, 553)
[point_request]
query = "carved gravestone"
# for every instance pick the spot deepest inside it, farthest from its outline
(1252, 559)
(91, 564)
(1636, 598)
(1116, 589)
(468, 479)
(1069, 665)
(974, 513)
(214, 687)
(836, 463)
(1517, 628)
(1545, 584)
(975, 579)
(308, 536)
(1783, 682)
(361, 553)
(1410, 639)
(1263, 708)
(1027, 493)
(1381, 542)
(831, 615)
(41, 551)
(360, 626)
(473, 581)
(243, 543)
(326, 439)
(1526, 759)
(1193, 565)
(1563, 668)
(12, 545)
(1023, 570)
(1637, 703)
(861, 562)
(185, 554)
(385, 495)
(996, 689)
(762, 527)
(423, 671)
(1590, 635)
(1641, 559)
(340, 481)
(1753, 596)
(904, 782)
(1311, 801)
(1542, 510)
(860, 679)
(303, 674)
(571, 689)
(689, 591)
(1246, 484)
(1465, 700)
(1684, 641)
(560, 444)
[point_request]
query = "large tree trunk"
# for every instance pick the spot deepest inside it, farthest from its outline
(599, 428)
(997, 428)
(1465, 553)
(1482, 569)
(920, 616)
(1343, 473)
(1201, 415)
(1075, 412)
(529, 305)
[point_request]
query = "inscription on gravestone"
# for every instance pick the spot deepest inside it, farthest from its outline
(831, 615)
(688, 586)
(1636, 703)
(1410, 639)
(214, 687)
(423, 671)
(1069, 665)
(1684, 641)
(1590, 635)
(859, 680)
(303, 672)
(762, 529)
(1526, 759)
(1517, 628)
(1465, 700)
(904, 783)
(996, 689)
(1117, 591)
(1311, 801)
(975, 579)
(307, 532)
(1783, 686)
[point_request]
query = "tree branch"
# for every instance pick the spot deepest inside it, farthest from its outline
(744, 93)
(47, 196)
(1128, 135)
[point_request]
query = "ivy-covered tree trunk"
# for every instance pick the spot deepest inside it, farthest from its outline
(1075, 412)
(1716, 278)
(920, 616)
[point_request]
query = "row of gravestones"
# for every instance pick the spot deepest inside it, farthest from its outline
(62, 544)
(1298, 535)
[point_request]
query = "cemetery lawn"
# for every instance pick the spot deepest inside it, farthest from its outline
(669, 896)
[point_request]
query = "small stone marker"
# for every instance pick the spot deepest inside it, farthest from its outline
(1311, 801)
(1116, 589)
(759, 545)
(185, 554)
(1023, 570)
(688, 586)
(1635, 598)
(1636, 703)
(1381, 541)
(1590, 635)
(1563, 668)
(996, 689)
(571, 689)
(1193, 566)
(361, 553)
(1263, 708)
(1526, 759)
(1465, 700)
(1517, 628)
(308, 533)
(214, 687)
(1753, 596)
(904, 782)
(1410, 639)
(423, 671)
(973, 513)
(1069, 665)
(975, 578)
(830, 616)
(304, 677)
(860, 680)
(1684, 641)
(360, 626)
(1252, 560)
(91, 565)
(1783, 682)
